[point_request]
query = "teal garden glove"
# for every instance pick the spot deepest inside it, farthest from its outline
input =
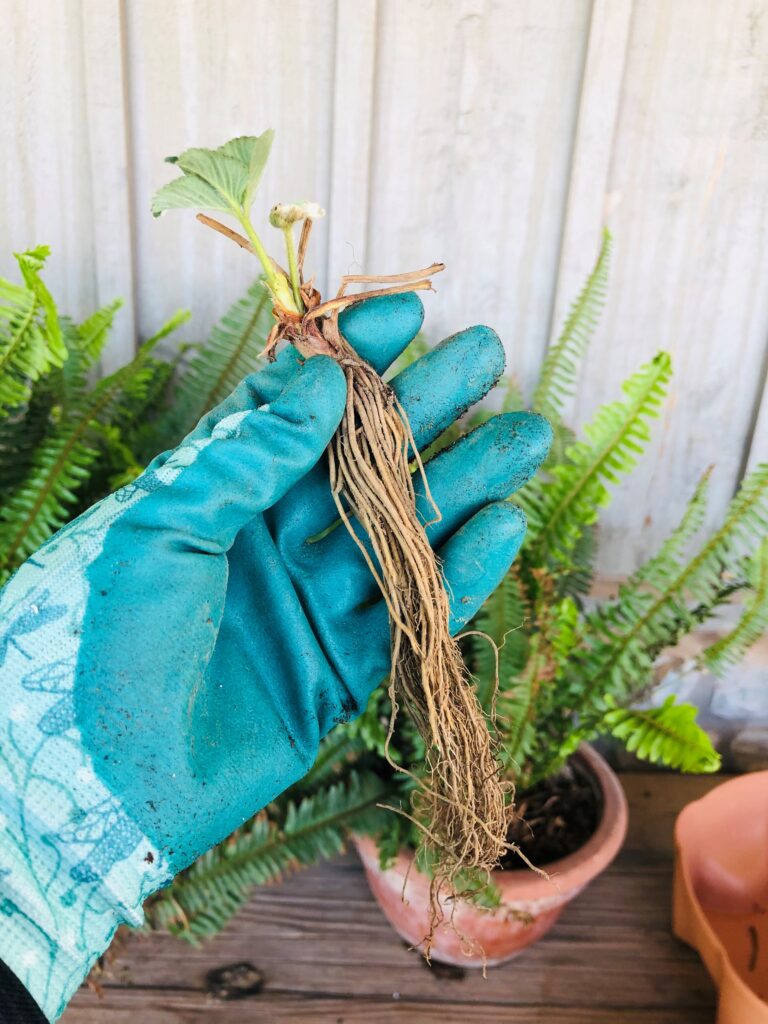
(170, 660)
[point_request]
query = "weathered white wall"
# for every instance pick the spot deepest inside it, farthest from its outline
(496, 135)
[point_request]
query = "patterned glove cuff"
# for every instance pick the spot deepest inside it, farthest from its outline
(61, 902)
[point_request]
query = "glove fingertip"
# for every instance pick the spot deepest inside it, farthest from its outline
(379, 329)
(317, 392)
(478, 556)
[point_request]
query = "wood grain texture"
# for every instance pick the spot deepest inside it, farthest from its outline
(494, 136)
(690, 218)
(110, 186)
(199, 74)
(45, 169)
(326, 953)
(352, 126)
(589, 206)
(475, 109)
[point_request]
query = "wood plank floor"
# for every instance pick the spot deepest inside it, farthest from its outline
(324, 953)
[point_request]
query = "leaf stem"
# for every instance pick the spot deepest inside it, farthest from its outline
(277, 284)
(293, 269)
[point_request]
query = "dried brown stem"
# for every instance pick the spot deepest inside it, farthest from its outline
(306, 231)
(413, 275)
(234, 236)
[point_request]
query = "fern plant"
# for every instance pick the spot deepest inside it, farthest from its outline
(568, 671)
(66, 440)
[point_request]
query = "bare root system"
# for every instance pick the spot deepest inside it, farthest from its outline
(462, 804)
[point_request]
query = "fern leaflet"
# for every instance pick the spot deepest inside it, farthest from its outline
(560, 508)
(30, 337)
(728, 650)
(559, 373)
(664, 735)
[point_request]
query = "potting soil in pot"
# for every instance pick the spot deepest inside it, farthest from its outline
(554, 818)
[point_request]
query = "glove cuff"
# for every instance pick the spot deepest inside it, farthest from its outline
(58, 913)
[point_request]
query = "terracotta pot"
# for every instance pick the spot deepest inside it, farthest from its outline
(721, 892)
(531, 904)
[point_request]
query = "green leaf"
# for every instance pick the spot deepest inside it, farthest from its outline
(199, 902)
(181, 316)
(217, 179)
(559, 373)
(232, 352)
(92, 333)
(252, 151)
(753, 623)
(31, 342)
(188, 193)
(63, 464)
(503, 619)
(559, 509)
(665, 598)
(512, 395)
(20, 434)
(227, 176)
(665, 735)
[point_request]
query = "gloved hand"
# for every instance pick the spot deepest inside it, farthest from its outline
(170, 660)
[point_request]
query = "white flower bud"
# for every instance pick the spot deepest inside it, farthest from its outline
(283, 215)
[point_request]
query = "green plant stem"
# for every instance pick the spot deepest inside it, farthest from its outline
(293, 268)
(276, 283)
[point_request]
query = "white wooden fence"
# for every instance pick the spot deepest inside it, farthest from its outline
(496, 135)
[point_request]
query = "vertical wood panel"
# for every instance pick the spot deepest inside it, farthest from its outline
(758, 450)
(105, 114)
(475, 102)
(489, 134)
(199, 74)
(353, 114)
(588, 207)
(63, 162)
(688, 181)
(44, 158)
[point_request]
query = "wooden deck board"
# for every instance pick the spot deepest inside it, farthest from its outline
(327, 955)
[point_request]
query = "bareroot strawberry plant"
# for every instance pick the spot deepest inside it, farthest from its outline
(569, 669)
(461, 802)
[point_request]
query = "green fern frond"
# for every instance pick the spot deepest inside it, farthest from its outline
(502, 618)
(665, 598)
(515, 709)
(576, 580)
(85, 343)
(562, 439)
(753, 623)
(92, 333)
(30, 337)
(666, 735)
(43, 502)
(559, 373)
(200, 901)
(512, 395)
(232, 352)
(560, 508)
(63, 463)
(680, 537)
(20, 434)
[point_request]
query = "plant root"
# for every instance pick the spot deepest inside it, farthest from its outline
(462, 805)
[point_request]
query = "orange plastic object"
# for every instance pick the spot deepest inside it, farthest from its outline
(721, 892)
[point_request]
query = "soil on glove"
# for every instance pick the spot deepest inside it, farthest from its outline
(554, 818)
